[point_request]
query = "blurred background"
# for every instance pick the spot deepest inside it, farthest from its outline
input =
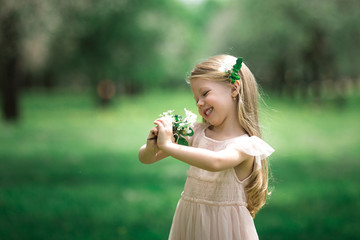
(82, 81)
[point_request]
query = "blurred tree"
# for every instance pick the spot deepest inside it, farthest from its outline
(136, 44)
(9, 64)
(298, 46)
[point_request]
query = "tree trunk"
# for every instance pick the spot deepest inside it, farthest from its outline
(9, 66)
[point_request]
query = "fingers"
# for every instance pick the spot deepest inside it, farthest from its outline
(159, 123)
(164, 131)
(154, 131)
(153, 134)
(163, 122)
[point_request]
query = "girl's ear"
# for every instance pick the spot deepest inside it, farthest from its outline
(235, 89)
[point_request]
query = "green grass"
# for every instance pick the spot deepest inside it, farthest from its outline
(69, 170)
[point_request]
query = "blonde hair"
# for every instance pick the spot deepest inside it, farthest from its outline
(212, 69)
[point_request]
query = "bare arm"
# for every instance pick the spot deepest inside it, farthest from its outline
(205, 159)
(149, 152)
(202, 158)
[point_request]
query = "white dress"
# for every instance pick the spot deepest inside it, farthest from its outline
(213, 204)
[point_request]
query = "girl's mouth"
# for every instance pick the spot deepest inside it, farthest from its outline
(208, 111)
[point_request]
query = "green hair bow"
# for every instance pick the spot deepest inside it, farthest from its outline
(234, 74)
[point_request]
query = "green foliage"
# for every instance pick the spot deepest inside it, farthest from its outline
(132, 43)
(70, 170)
(293, 47)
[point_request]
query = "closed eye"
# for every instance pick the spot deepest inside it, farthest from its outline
(205, 93)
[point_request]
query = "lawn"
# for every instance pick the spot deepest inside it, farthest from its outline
(69, 169)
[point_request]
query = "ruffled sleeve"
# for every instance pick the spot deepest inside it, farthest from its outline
(253, 146)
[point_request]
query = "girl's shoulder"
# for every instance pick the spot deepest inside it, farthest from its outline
(253, 146)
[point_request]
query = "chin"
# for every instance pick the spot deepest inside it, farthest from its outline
(212, 123)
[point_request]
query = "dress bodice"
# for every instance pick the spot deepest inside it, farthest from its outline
(213, 204)
(221, 187)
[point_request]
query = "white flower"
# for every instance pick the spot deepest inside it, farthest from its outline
(190, 117)
(168, 115)
(227, 65)
(181, 126)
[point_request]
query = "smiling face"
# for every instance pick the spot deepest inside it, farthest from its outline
(214, 101)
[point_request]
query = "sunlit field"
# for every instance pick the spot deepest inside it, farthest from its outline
(69, 169)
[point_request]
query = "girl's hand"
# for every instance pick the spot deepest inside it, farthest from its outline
(151, 142)
(165, 133)
(150, 152)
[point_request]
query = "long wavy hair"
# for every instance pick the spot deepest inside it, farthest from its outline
(212, 70)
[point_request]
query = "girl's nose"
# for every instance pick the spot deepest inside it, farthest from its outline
(200, 103)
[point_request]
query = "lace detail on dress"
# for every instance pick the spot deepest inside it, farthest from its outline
(207, 202)
(217, 189)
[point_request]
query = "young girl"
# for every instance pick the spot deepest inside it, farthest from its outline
(228, 177)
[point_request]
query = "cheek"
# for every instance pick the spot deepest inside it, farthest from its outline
(210, 99)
